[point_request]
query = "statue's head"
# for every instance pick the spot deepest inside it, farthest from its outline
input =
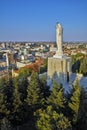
(58, 25)
(59, 28)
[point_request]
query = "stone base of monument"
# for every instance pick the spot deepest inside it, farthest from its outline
(59, 69)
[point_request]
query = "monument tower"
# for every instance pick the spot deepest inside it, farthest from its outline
(59, 66)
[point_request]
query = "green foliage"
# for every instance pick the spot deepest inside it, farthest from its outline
(3, 109)
(79, 63)
(56, 99)
(43, 68)
(11, 106)
(15, 111)
(49, 119)
(73, 59)
(24, 72)
(16, 95)
(1, 54)
(77, 57)
(83, 66)
(5, 124)
(76, 66)
(2, 83)
(44, 88)
(23, 84)
(33, 90)
(8, 92)
(22, 101)
(82, 116)
(81, 46)
(75, 101)
(13, 102)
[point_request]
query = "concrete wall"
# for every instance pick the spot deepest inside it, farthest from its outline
(59, 68)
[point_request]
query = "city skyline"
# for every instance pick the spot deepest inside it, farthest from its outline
(36, 20)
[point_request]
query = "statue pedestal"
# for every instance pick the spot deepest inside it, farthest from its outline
(59, 69)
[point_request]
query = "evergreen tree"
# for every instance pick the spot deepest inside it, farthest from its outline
(3, 83)
(75, 102)
(3, 109)
(56, 99)
(49, 119)
(33, 91)
(23, 84)
(5, 102)
(15, 114)
(73, 59)
(34, 98)
(83, 66)
(11, 100)
(82, 114)
(8, 93)
(19, 110)
(3, 112)
(44, 88)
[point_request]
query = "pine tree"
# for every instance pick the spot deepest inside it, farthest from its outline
(82, 114)
(49, 119)
(3, 110)
(45, 90)
(12, 110)
(75, 101)
(19, 111)
(33, 91)
(3, 83)
(83, 66)
(23, 84)
(4, 105)
(34, 98)
(56, 99)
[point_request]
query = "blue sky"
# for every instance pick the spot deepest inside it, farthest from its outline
(35, 20)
